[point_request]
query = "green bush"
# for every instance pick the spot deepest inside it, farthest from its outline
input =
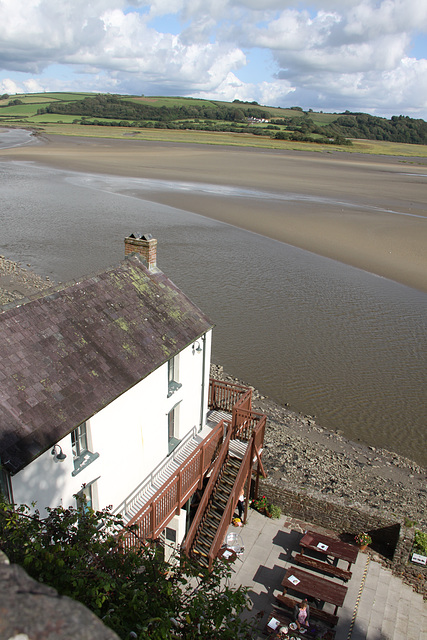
(420, 542)
(275, 511)
(263, 506)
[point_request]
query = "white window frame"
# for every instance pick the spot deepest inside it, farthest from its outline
(173, 375)
(79, 436)
(82, 448)
(89, 491)
(173, 427)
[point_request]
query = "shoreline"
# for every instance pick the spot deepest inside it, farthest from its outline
(369, 212)
(302, 454)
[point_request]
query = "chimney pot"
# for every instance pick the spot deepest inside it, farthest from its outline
(145, 245)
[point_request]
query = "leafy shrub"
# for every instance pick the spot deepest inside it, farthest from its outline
(420, 542)
(136, 593)
(263, 506)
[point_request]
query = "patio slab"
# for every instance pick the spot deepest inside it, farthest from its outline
(370, 610)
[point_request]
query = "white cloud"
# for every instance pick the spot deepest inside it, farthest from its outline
(10, 86)
(347, 52)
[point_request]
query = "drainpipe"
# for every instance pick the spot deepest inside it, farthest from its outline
(203, 381)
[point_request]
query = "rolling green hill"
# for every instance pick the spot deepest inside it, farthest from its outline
(191, 114)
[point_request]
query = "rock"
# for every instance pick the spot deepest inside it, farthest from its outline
(36, 611)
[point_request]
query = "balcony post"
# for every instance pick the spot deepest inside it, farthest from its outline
(202, 467)
(179, 493)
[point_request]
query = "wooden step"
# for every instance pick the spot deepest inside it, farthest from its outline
(201, 558)
(216, 517)
(233, 463)
(202, 547)
(206, 537)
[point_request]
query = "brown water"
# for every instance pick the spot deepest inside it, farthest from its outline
(331, 340)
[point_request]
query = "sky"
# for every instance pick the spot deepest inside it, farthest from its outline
(327, 55)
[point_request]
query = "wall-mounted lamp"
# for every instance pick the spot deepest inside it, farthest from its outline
(59, 455)
(197, 348)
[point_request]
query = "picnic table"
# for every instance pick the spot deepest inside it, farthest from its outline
(314, 586)
(277, 619)
(329, 547)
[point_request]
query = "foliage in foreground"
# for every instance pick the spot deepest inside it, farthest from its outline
(75, 551)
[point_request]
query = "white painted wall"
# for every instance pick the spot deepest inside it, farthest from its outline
(130, 435)
(177, 524)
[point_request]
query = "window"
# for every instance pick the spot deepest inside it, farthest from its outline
(87, 497)
(171, 370)
(170, 535)
(79, 440)
(173, 384)
(82, 456)
(173, 416)
(5, 485)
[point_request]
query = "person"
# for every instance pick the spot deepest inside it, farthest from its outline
(302, 614)
(240, 505)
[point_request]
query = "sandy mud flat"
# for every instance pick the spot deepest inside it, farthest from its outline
(366, 211)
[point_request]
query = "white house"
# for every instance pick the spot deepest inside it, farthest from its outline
(105, 391)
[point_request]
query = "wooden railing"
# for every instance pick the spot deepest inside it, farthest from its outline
(207, 494)
(244, 472)
(227, 397)
(152, 518)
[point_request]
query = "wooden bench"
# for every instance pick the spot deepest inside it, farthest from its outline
(331, 569)
(289, 602)
(285, 620)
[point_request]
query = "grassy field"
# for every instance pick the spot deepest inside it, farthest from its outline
(233, 139)
(25, 115)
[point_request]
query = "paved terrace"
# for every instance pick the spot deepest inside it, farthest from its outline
(378, 606)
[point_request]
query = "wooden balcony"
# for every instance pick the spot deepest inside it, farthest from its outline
(244, 425)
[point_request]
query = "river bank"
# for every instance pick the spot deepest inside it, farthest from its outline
(303, 455)
(17, 283)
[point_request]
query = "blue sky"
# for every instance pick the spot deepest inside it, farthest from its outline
(330, 55)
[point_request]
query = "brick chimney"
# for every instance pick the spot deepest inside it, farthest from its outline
(145, 245)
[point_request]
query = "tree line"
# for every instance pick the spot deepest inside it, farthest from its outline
(397, 129)
(111, 106)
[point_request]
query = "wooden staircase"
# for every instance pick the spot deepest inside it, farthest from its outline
(228, 455)
(214, 512)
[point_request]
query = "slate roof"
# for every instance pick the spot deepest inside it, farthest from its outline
(67, 355)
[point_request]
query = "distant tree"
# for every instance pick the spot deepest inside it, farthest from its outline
(239, 116)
